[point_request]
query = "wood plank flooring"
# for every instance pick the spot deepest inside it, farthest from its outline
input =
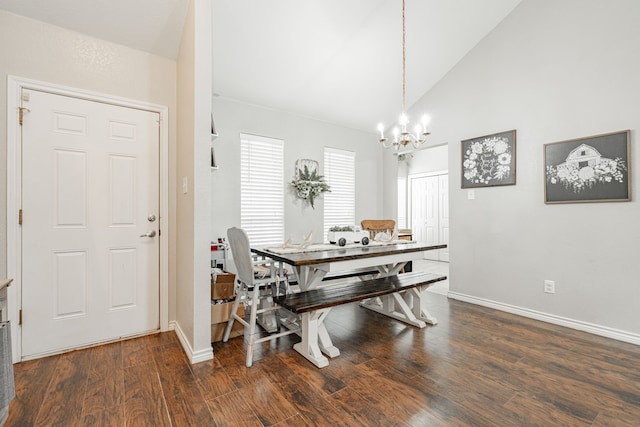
(477, 367)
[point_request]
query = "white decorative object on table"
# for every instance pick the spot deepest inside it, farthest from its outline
(386, 237)
(305, 243)
(347, 234)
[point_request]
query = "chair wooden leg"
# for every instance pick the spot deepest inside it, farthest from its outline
(255, 296)
(234, 310)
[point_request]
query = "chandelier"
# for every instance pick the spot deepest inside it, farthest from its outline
(401, 136)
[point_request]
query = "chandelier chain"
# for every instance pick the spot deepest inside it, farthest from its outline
(404, 59)
(401, 136)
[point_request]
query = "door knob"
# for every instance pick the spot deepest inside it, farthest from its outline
(151, 233)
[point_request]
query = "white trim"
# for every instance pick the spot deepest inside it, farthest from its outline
(14, 202)
(427, 174)
(194, 357)
(14, 185)
(591, 328)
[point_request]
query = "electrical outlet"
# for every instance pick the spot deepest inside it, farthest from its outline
(549, 287)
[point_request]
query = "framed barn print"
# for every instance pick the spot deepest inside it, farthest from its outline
(489, 161)
(591, 169)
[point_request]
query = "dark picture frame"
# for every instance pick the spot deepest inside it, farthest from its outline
(489, 161)
(590, 169)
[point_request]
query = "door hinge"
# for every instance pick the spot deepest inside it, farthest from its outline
(20, 317)
(21, 111)
(20, 217)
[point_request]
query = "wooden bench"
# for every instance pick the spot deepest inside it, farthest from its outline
(331, 296)
(401, 296)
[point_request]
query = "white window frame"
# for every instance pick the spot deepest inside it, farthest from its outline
(262, 189)
(340, 174)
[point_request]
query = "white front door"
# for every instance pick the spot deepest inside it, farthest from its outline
(90, 198)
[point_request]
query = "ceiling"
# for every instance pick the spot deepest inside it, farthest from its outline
(149, 25)
(333, 60)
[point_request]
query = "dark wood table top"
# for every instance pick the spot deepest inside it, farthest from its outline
(345, 253)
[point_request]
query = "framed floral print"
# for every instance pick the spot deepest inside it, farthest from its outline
(591, 169)
(489, 161)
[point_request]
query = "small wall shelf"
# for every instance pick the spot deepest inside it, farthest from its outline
(214, 163)
(214, 135)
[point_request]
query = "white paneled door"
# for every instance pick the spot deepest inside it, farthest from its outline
(424, 212)
(90, 208)
(430, 212)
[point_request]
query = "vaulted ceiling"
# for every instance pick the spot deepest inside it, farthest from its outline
(338, 61)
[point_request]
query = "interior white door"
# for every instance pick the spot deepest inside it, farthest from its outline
(418, 207)
(424, 215)
(430, 213)
(90, 202)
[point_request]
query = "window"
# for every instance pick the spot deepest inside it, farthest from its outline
(340, 203)
(262, 189)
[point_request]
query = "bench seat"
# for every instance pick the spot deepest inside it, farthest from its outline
(334, 295)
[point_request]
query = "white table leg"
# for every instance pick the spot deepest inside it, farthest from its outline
(406, 307)
(326, 345)
(308, 278)
(418, 308)
(315, 338)
(309, 347)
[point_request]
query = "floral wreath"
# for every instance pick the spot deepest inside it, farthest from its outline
(307, 183)
(487, 159)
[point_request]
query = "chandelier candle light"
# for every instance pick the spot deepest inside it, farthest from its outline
(402, 137)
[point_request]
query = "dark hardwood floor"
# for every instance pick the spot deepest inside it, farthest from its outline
(477, 367)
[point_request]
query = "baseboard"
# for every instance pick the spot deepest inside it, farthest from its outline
(194, 357)
(550, 318)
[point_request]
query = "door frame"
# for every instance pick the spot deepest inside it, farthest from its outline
(14, 191)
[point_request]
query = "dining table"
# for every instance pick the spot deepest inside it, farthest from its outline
(316, 263)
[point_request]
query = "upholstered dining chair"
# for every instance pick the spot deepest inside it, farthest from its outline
(256, 291)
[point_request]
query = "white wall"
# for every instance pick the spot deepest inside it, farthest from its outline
(553, 70)
(39, 51)
(193, 311)
(303, 139)
(435, 159)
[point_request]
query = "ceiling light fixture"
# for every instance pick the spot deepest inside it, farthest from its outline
(402, 137)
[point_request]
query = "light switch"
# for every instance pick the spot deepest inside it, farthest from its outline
(185, 185)
(471, 194)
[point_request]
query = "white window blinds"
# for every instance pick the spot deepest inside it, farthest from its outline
(340, 203)
(262, 189)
